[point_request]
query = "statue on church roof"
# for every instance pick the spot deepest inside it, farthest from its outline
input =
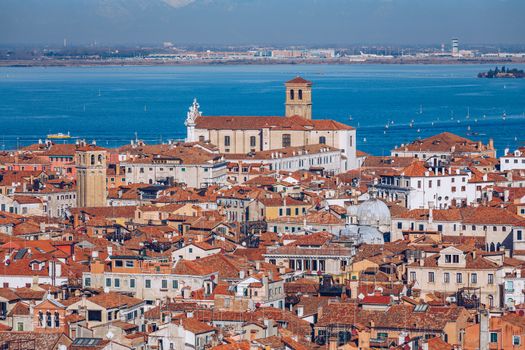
(191, 117)
(193, 113)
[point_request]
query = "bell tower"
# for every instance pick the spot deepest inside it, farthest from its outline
(299, 98)
(91, 176)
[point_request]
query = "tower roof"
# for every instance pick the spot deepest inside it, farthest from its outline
(298, 80)
(89, 148)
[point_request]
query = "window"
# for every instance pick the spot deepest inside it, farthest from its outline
(57, 320)
(300, 94)
(175, 284)
(322, 140)
(87, 282)
(412, 275)
(108, 282)
(519, 235)
(94, 315)
(516, 340)
(117, 282)
(459, 277)
(292, 94)
(227, 140)
(164, 284)
(20, 326)
(493, 337)
(446, 277)
(455, 258)
(287, 140)
(253, 141)
(440, 228)
(147, 283)
(400, 225)
(119, 263)
(490, 278)
(132, 283)
(288, 211)
(431, 277)
(448, 258)
(419, 184)
(474, 278)
(129, 263)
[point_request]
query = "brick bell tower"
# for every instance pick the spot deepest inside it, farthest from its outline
(299, 98)
(91, 176)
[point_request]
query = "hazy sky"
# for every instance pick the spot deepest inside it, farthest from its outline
(262, 21)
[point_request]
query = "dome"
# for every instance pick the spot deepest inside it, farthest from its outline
(351, 210)
(363, 234)
(373, 212)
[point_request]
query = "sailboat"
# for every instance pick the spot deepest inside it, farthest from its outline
(504, 116)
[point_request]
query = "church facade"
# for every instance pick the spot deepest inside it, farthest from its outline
(248, 134)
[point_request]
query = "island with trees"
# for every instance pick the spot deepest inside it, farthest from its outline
(502, 73)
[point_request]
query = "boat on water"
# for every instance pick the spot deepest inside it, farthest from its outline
(59, 136)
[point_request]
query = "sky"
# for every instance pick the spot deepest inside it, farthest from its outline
(260, 22)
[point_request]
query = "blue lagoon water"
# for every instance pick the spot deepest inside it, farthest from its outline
(110, 104)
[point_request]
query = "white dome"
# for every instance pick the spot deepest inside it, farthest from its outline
(373, 212)
(363, 234)
(351, 210)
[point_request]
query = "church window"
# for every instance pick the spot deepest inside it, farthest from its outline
(226, 140)
(292, 94)
(287, 140)
(99, 159)
(48, 319)
(322, 140)
(300, 94)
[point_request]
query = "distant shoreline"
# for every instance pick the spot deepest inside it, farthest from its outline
(127, 62)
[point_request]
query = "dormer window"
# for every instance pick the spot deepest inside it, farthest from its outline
(452, 258)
